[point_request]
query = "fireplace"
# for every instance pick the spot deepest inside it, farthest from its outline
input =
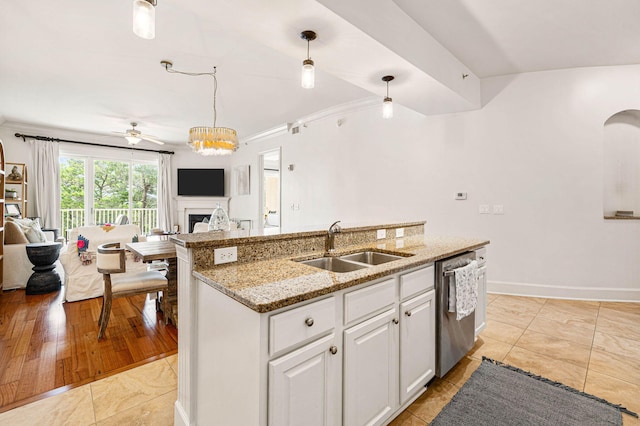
(195, 218)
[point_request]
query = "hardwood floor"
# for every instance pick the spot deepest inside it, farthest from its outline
(46, 344)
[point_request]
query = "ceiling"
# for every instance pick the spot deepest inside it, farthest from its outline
(76, 65)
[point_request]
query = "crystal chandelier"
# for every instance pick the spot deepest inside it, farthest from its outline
(209, 140)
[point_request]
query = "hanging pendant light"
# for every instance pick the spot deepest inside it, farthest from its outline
(144, 18)
(209, 140)
(387, 104)
(308, 72)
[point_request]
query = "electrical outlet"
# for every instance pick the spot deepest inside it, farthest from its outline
(382, 233)
(225, 255)
(484, 209)
(399, 232)
(498, 209)
(399, 244)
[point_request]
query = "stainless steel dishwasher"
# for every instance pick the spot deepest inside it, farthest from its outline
(453, 338)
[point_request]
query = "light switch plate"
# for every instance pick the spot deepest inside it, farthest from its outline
(484, 209)
(382, 233)
(498, 209)
(225, 255)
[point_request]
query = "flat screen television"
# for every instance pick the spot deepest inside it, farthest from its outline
(201, 182)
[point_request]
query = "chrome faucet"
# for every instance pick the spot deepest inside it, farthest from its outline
(331, 236)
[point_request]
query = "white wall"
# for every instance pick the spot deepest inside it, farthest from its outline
(536, 148)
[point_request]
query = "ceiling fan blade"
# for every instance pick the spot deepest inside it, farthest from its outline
(151, 139)
(120, 133)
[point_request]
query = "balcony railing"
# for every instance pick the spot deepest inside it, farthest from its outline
(146, 219)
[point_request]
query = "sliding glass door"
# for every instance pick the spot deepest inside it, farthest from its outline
(96, 191)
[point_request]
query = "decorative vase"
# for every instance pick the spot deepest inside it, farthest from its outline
(219, 220)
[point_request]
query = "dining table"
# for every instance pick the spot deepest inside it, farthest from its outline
(165, 251)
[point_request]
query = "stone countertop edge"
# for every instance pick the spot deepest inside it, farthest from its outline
(210, 239)
(264, 293)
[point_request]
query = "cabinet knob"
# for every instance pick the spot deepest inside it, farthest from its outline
(395, 320)
(407, 313)
(333, 350)
(309, 321)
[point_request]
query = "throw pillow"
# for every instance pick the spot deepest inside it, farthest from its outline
(31, 229)
(13, 234)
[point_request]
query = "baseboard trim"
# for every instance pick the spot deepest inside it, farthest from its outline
(180, 417)
(564, 292)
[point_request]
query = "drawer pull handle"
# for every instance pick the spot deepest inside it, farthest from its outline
(309, 322)
(395, 320)
(407, 313)
(333, 350)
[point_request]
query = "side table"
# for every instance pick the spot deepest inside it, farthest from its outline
(43, 256)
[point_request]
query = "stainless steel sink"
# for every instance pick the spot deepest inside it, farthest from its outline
(371, 257)
(333, 264)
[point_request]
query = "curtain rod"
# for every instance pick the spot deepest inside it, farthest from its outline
(48, 139)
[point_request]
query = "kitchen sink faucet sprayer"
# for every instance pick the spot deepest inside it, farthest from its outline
(331, 236)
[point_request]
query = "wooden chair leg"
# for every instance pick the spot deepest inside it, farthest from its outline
(104, 318)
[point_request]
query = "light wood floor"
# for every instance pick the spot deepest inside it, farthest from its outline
(46, 344)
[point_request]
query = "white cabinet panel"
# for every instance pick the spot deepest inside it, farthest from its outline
(481, 306)
(417, 343)
(416, 282)
(370, 373)
(304, 386)
(374, 298)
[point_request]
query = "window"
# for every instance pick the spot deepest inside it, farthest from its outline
(97, 190)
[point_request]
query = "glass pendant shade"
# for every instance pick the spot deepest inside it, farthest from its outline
(144, 19)
(308, 74)
(132, 140)
(387, 108)
(219, 220)
(213, 140)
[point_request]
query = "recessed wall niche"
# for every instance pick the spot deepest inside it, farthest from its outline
(622, 165)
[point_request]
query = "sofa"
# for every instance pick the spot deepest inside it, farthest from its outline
(82, 280)
(17, 267)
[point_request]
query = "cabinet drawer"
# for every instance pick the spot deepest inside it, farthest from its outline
(416, 282)
(300, 324)
(360, 303)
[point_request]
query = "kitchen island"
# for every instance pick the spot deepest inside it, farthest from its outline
(268, 339)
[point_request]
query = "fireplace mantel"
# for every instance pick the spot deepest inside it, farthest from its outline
(197, 205)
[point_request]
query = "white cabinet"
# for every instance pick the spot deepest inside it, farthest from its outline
(305, 385)
(371, 370)
(481, 306)
(417, 343)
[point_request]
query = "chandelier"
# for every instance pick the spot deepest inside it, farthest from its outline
(208, 140)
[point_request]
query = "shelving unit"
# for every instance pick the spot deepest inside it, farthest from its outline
(1, 215)
(16, 178)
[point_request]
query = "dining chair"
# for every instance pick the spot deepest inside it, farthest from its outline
(110, 261)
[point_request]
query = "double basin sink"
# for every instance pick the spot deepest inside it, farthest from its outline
(351, 262)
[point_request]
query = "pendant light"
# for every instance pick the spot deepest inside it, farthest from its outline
(144, 18)
(308, 72)
(209, 140)
(387, 104)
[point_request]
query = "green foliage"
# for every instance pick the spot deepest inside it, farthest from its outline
(72, 183)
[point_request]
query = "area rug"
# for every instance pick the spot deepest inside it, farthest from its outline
(499, 394)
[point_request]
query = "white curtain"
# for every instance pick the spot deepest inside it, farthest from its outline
(45, 180)
(165, 201)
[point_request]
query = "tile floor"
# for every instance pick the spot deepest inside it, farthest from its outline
(592, 346)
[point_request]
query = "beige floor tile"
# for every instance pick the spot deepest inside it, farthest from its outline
(521, 304)
(490, 348)
(618, 366)
(559, 349)
(459, 374)
(578, 332)
(130, 388)
(617, 345)
(542, 365)
(502, 332)
(69, 408)
(619, 323)
(173, 362)
(570, 311)
(509, 315)
(157, 412)
(615, 391)
(407, 419)
(433, 400)
(632, 308)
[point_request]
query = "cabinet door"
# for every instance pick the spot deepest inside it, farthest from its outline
(304, 386)
(417, 344)
(481, 307)
(371, 370)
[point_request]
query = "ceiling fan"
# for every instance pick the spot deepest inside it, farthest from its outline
(134, 136)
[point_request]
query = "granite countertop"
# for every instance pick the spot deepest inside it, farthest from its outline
(268, 285)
